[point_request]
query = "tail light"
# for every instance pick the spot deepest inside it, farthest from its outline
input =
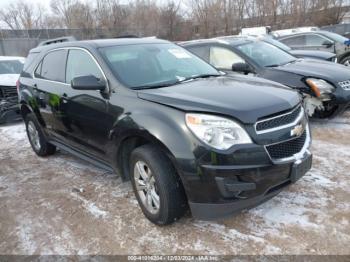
(17, 85)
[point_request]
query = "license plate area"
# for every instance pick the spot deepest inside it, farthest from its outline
(299, 169)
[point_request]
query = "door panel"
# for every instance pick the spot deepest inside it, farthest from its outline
(47, 83)
(294, 42)
(86, 122)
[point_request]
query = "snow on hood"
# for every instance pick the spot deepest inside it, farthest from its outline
(8, 79)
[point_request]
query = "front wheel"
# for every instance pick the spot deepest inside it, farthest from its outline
(157, 187)
(345, 61)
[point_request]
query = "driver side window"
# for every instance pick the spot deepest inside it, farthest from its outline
(223, 58)
(80, 63)
(314, 40)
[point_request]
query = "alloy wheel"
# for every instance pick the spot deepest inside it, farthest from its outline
(146, 187)
(34, 136)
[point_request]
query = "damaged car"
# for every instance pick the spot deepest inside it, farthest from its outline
(154, 113)
(325, 86)
(10, 68)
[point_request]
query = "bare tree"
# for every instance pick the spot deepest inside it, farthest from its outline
(62, 10)
(170, 19)
(22, 15)
(112, 15)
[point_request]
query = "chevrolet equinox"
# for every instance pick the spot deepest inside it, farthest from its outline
(181, 131)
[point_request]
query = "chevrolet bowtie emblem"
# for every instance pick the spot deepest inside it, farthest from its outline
(297, 130)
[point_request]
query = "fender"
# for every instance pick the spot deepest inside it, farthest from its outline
(160, 127)
(163, 126)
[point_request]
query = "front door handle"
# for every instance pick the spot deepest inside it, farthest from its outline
(64, 98)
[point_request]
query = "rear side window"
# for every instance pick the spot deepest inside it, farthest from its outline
(52, 67)
(294, 40)
(29, 60)
(314, 40)
(80, 63)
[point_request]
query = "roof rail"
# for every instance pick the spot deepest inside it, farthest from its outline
(58, 40)
(127, 36)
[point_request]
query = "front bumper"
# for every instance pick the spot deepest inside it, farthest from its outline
(341, 98)
(9, 110)
(255, 186)
(264, 183)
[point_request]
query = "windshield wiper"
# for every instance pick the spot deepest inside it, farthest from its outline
(160, 85)
(277, 65)
(290, 62)
(199, 76)
(274, 65)
(167, 84)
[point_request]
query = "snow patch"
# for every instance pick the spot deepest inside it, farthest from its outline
(15, 132)
(27, 242)
(91, 207)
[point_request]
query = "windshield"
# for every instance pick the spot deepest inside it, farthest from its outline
(11, 67)
(335, 37)
(265, 54)
(277, 43)
(154, 65)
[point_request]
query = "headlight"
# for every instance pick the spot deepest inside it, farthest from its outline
(217, 132)
(320, 86)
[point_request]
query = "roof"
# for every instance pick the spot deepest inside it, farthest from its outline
(303, 33)
(101, 43)
(229, 40)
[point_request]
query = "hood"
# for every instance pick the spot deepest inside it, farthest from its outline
(323, 55)
(243, 98)
(8, 79)
(319, 69)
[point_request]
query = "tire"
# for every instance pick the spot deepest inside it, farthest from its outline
(345, 61)
(36, 137)
(163, 181)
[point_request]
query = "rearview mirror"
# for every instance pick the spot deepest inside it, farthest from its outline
(327, 43)
(88, 82)
(241, 68)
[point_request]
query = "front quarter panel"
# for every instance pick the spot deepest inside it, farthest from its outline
(289, 79)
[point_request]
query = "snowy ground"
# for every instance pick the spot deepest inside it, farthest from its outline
(62, 205)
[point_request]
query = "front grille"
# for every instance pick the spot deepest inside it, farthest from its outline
(345, 84)
(287, 149)
(8, 92)
(278, 121)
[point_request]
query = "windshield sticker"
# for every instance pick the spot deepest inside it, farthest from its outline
(179, 53)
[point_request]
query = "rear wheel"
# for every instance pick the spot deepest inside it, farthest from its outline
(157, 187)
(36, 137)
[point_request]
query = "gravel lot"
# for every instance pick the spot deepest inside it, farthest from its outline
(62, 205)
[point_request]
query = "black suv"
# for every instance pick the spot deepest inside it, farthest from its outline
(325, 86)
(154, 113)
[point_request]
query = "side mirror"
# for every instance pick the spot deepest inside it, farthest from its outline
(241, 68)
(89, 82)
(328, 43)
